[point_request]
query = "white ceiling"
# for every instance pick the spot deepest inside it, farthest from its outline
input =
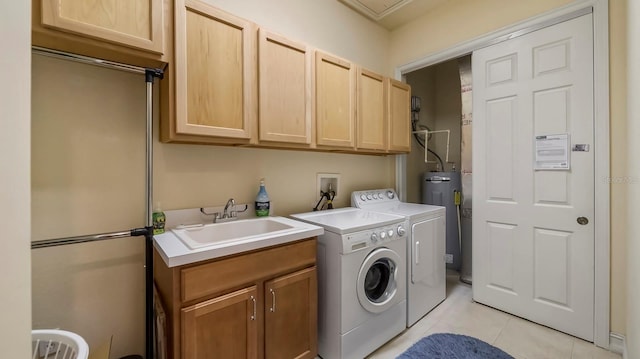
(392, 14)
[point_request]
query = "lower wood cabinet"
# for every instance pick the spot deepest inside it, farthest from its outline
(290, 315)
(222, 327)
(261, 304)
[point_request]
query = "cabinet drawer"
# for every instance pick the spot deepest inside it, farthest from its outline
(224, 274)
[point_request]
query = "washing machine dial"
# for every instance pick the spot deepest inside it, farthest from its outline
(374, 237)
(383, 235)
(363, 197)
(390, 233)
(390, 194)
(401, 231)
(375, 196)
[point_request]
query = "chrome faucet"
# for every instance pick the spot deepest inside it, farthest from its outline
(225, 212)
(229, 213)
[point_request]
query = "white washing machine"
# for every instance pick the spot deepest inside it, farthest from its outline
(361, 280)
(426, 246)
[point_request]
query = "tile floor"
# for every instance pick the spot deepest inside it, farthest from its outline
(518, 337)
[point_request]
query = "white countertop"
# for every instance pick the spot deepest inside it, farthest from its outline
(175, 253)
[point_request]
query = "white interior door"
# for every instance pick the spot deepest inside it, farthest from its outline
(531, 257)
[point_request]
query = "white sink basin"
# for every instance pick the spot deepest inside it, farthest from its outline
(202, 242)
(241, 230)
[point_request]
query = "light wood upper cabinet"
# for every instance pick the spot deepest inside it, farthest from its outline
(215, 66)
(372, 116)
(335, 101)
(291, 315)
(204, 335)
(284, 89)
(399, 116)
(135, 23)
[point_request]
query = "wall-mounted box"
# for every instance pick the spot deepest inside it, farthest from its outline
(327, 182)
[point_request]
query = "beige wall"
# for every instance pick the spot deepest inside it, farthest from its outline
(88, 141)
(619, 152)
(423, 85)
(328, 25)
(195, 176)
(448, 112)
(455, 22)
(633, 282)
(15, 266)
(88, 153)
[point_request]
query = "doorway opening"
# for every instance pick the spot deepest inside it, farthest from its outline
(438, 168)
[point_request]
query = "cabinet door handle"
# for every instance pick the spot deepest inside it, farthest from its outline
(273, 299)
(253, 316)
(417, 252)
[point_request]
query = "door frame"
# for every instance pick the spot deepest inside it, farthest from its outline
(600, 11)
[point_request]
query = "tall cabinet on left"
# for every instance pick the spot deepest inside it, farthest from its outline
(135, 32)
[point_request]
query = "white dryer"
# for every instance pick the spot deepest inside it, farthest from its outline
(361, 280)
(426, 246)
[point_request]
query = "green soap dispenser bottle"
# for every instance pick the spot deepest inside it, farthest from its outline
(262, 201)
(158, 219)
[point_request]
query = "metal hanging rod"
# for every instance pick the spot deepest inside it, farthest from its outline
(150, 74)
(83, 239)
(87, 60)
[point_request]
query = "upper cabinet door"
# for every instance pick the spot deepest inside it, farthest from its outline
(335, 101)
(284, 89)
(399, 116)
(133, 23)
(372, 117)
(215, 66)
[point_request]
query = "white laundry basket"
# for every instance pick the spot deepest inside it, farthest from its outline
(58, 344)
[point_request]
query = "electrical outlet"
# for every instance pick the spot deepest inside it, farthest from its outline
(47, 348)
(448, 258)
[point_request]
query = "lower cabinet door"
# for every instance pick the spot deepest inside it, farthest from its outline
(222, 327)
(291, 313)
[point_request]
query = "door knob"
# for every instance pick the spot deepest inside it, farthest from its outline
(582, 220)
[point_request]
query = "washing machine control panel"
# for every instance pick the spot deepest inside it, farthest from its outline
(373, 196)
(374, 237)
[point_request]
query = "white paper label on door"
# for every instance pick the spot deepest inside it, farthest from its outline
(552, 152)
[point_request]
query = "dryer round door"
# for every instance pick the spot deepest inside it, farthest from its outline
(377, 280)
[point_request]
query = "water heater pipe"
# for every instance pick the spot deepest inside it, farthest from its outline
(426, 139)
